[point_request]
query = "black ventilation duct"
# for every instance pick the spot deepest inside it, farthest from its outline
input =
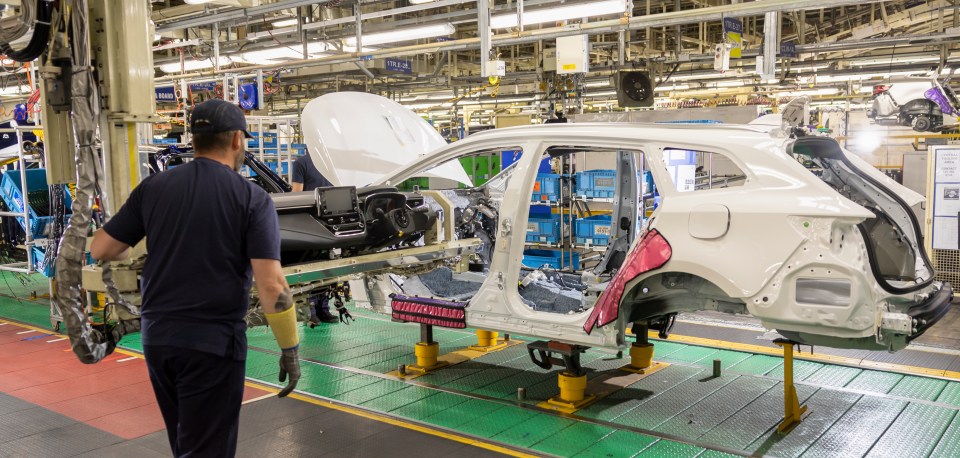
(634, 89)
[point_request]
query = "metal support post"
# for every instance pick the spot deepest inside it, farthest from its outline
(483, 28)
(792, 410)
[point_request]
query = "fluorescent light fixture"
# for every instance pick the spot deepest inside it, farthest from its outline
(15, 90)
(284, 23)
(559, 13)
(419, 2)
(196, 2)
(405, 34)
(729, 83)
(676, 87)
(280, 53)
(604, 83)
(190, 65)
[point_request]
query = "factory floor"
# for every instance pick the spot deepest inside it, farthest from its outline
(860, 403)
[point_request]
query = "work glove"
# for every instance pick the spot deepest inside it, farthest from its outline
(289, 364)
(345, 316)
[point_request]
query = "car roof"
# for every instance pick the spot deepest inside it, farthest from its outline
(651, 131)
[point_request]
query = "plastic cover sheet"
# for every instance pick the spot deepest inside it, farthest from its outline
(652, 252)
(89, 344)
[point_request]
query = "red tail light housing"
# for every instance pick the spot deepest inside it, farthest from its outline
(651, 253)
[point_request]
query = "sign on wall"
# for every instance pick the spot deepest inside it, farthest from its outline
(398, 65)
(733, 32)
(946, 198)
(166, 94)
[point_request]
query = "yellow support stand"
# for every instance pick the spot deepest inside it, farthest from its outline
(427, 352)
(641, 352)
(487, 341)
(792, 410)
(572, 395)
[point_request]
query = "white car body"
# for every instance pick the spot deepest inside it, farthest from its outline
(784, 246)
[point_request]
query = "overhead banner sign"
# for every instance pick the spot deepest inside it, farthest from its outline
(733, 32)
(398, 65)
(208, 86)
(788, 50)
(166, 94)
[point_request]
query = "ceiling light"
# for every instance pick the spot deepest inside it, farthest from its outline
(280, 53)
(560, 13)
(240, 3)
(285, 23)
(407, 34)
(15, 90)
(190, 65)
(419, 2)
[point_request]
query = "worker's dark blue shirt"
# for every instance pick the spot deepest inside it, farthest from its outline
(203, 223)
(305, 172)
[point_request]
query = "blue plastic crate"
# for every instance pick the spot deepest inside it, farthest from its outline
(40, 264)
(596, 183)
(593, 230)
(543, 229)
(547, 188)
(11, 192)
(553, 259)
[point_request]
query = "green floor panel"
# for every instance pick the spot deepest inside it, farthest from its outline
(830, 375)
(400, 398)
(915, 432)
(670, 449)
(877, 382)
(666, 406)
(638, 393)
(689, 354)
(949, 445)
(466, 412)
(483, 378)
(371, 391)
(572, 440)
(498, 421)
(507, 388)
(716, 454)
(435, 404)
(950, 394)
(333, 388)
(719, 406)
(758, 365)
(620, 444)
(858, 430)
(727, 358)
(754, 420)
(663, 348)
(826, 407)
(445, 376)
(533, 431)
(914, 387)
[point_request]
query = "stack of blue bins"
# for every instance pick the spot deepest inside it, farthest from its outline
(12, 192)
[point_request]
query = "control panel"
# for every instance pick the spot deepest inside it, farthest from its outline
(338, 208)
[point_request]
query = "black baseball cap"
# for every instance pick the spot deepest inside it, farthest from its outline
(215, 116)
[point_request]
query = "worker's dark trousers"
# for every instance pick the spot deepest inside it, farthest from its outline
(199, 395)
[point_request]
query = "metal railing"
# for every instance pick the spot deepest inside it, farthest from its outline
(29, 242)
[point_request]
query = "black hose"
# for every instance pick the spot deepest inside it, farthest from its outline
(39, 39)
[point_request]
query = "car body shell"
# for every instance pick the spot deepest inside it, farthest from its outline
(752, 242)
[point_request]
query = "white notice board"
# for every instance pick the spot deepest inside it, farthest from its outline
(946, 197)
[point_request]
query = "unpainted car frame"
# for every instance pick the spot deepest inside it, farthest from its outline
(815, 243)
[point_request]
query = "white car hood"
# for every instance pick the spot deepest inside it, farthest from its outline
(355, 138)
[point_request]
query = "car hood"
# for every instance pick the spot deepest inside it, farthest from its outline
(356, 138)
